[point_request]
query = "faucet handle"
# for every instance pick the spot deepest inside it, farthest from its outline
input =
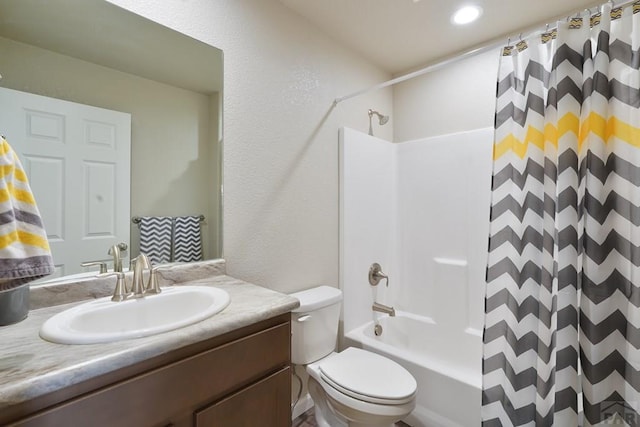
(120, 292)
(152, 286)
(376, 275)
(103, 265)
(143, 261)
(138, 286)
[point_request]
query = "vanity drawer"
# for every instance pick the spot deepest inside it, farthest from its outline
(176, 390)
(266, 403)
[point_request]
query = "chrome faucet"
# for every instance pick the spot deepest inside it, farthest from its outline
(138, 286)
(384, 309)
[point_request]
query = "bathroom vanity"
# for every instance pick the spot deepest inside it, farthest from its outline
(232, 369)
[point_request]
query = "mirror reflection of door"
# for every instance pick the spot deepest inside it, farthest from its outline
(77, 159)
(96, 53)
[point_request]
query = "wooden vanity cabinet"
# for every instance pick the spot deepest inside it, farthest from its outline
(242, 378)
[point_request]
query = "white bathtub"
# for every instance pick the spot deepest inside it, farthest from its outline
(446, 365)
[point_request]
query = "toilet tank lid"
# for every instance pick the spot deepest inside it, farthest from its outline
(315, 298)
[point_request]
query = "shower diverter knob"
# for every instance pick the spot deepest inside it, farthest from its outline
(376, 274)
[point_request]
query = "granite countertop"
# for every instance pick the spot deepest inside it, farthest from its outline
(31, 367)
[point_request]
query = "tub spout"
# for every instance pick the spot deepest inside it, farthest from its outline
(384, 309)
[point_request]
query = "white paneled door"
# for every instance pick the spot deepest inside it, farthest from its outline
(77, 158)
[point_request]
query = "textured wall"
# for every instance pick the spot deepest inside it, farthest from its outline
(459, 97)
(280, 137)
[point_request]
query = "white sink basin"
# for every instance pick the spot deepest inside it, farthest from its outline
(103, 320)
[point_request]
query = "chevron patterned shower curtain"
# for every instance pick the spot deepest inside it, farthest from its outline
(563, 275)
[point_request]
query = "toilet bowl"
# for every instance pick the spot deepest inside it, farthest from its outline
(354, 387)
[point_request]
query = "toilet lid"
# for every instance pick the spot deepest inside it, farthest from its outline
(368, 376)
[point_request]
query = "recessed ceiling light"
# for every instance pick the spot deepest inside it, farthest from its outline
(466, 14)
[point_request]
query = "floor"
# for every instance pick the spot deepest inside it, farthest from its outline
(307, 420)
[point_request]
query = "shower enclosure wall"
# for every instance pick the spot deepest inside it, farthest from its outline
(421, 210)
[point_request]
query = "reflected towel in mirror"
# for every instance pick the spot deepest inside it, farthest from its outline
(25, 254)
(187, 239)
(155, 238)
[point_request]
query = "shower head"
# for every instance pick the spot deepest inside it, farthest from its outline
(382, 119)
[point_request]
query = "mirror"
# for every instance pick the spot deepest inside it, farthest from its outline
(94, 53)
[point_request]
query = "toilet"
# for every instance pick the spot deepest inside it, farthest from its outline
(351, 388)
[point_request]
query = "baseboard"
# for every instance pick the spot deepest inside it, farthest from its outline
(304, 404)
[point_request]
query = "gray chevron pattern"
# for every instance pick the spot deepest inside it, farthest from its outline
(187, 240)
(562, 304)
(171, 239)
(156, 238)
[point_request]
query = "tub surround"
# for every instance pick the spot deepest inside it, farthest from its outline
(430, 237)
(32, 368)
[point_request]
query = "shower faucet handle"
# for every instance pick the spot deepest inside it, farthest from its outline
(376, 275)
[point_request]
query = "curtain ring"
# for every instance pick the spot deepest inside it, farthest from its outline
(546, 29)
(520, 36)
(508, 41)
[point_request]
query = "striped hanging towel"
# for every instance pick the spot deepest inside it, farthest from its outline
(24, 249)
(155, 238)
(187, 239)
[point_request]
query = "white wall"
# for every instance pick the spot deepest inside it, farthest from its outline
(280, 137)
(456, 98)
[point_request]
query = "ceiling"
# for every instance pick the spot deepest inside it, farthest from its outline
(103, 33)
(402, 35)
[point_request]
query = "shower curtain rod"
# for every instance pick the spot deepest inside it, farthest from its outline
(491, 45)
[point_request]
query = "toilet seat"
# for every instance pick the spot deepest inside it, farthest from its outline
(368, 377)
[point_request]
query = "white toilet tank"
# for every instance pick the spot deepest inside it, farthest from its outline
(314, 325)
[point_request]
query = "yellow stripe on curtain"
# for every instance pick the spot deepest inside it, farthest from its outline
(568, 123)
(594, 124)
(606, 129)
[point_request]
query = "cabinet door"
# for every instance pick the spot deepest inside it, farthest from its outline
(156, 397)
(266, 403)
